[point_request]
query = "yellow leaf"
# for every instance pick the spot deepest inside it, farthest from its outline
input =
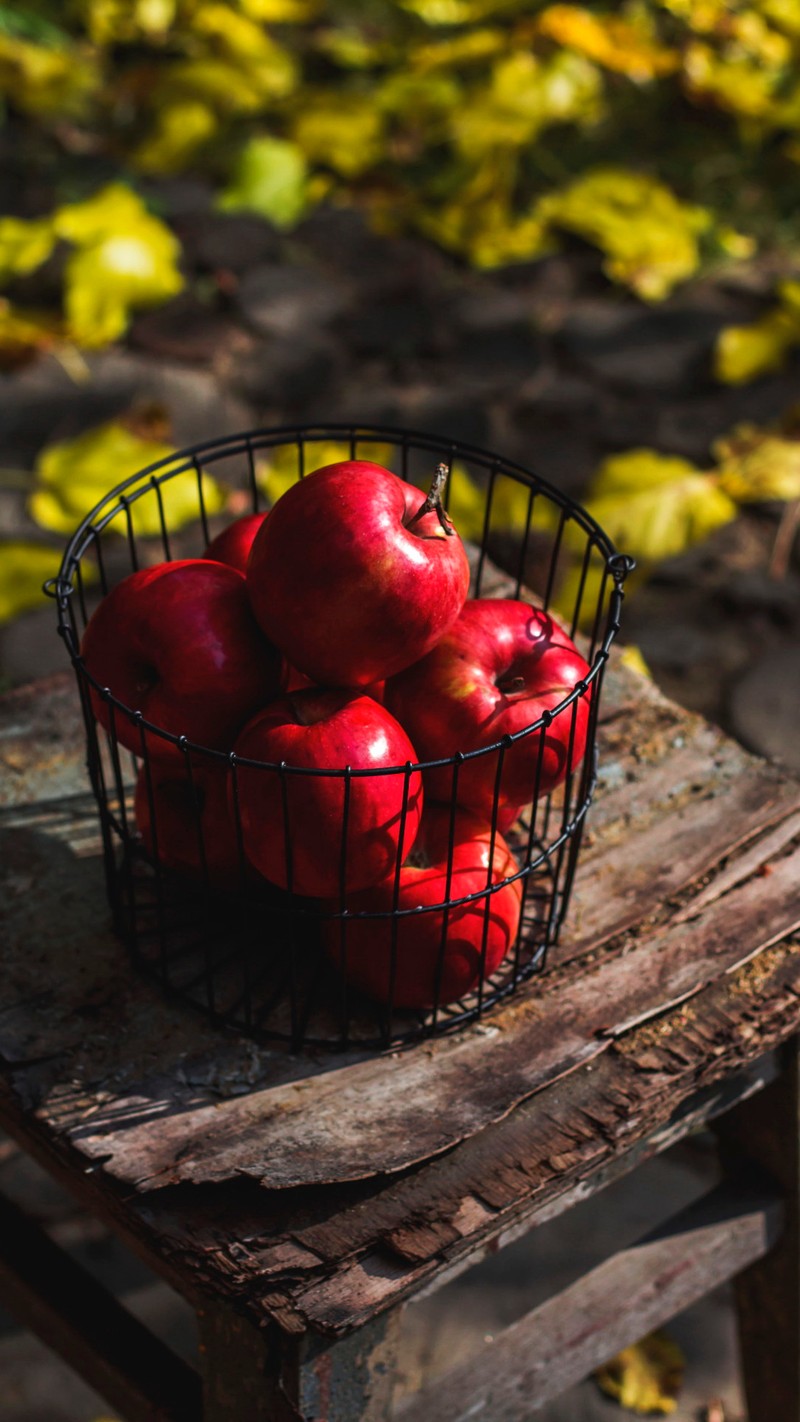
(756, 465)
(743, 353)
(46, 81)
(24, 567)
(472, 47)
(342, 131)
(24, 332)
(126, 21)
(351, 49)
(645, 1377)
(24, 245)
(126, 259)
(649, 237)
(278, 469)
(525, 95)
(270, 178)
(180, 129)
(73, 475)
(632, 659)
(655, 506)
(625, 46)
(459, 12)
(281, 12)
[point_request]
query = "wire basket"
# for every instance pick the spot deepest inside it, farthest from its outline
(263, 959)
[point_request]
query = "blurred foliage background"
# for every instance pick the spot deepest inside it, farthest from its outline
(663, 135)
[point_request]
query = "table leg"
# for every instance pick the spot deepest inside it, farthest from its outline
(766, 1130)
(265, 1375)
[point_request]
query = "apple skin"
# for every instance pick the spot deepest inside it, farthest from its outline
(424, 881)
(233, 544)
(176, 826)
(342, 584)
(326, 730)
(494, 672)
(179, 643)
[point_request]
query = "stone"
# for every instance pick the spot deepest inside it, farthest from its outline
(287, 372)
(290, 302)
(184, 329)
(232, 242)
(763, 705)
(660, 350)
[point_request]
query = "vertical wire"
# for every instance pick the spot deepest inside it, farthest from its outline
(289, 863)
(576, 615)
(451, 839)
(394, 924)
(529, 878)
(159, 881)
(81, 593)
(197, 813)
(523, 552)
(601, 597)
(97, 544)
(165, 543)
(134, 556)
(344, 1019)
(201, 499)
(488, 905)
(554, 559)
(125, 835)
(301, 459)
(94, 766)
(244, 897)
(251, 475)
(487, 517)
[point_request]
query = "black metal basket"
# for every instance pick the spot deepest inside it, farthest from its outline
(249, 954)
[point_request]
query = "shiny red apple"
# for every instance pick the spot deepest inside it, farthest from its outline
(435, 962)
(187, 823)
(499, 667)
(179, 643)
(294, 822)
(233, 544)
(356, 574)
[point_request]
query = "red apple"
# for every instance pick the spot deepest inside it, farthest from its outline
(355, 574)
(179, 643)
(175, 814)
(364, 952)
(500, 666)
(326, 730)
(233, 544)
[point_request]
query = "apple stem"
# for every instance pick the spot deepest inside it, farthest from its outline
(433, 501)
(516, 683)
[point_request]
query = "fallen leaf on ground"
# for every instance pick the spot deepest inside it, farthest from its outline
(646, 1377)
(24, 567)
(73, 475)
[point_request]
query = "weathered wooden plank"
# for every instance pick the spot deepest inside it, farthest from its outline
(561, 1341)
(556, 1147)
(323, 1127)
(48, 1292)
(768, 1294)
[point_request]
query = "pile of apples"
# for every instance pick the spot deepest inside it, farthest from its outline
(331, 646)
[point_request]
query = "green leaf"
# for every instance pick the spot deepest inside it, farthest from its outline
(270, 178)
(24, 567)
(757, 465)
(655, 506)
(73, 475)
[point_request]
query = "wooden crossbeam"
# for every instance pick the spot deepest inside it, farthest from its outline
(625, 1297)
(51, 1294)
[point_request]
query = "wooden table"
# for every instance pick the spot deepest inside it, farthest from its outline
(299, 1202)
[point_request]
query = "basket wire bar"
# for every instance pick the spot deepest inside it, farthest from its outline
(247, 953)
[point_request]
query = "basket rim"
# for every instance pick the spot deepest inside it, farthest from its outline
(61, 588)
